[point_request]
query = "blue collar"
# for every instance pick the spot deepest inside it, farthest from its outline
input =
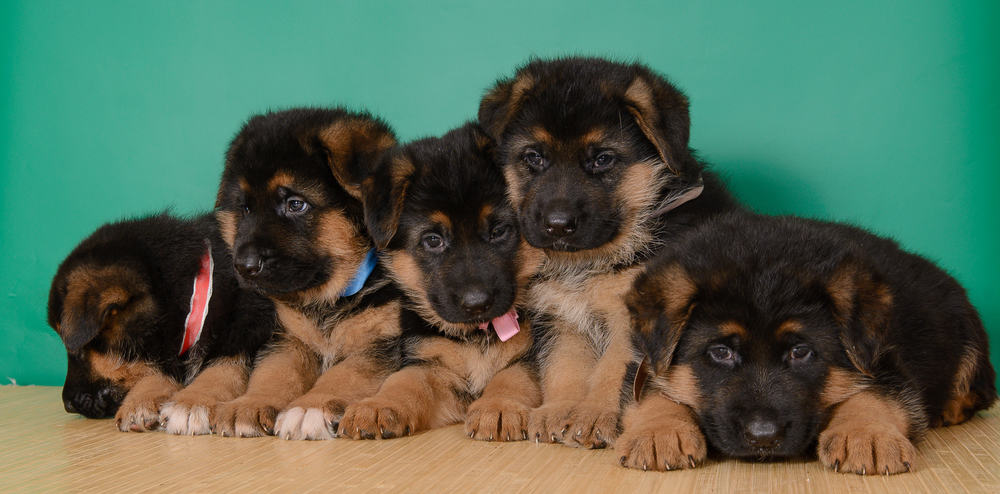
(364, 271)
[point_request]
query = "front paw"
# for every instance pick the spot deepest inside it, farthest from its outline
(502, 420)
(668, 445)
(185, 419)
(138, 415)
(549, 422)
(244, 417)
(592, 427)
(310, 419)
(868, 448)
(374, 418)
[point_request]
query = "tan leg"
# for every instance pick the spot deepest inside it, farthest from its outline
(281, 376)
(564, 384)
(140, 411)
(416, 398)
(501, 412)
(594, 421)
(187, 411)
(867, 435)
(316, 414)
(660, 434)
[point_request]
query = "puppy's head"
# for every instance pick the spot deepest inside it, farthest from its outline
(760, 332)
(440, 209)
(103, 305)
(289, 202)
(591, 149)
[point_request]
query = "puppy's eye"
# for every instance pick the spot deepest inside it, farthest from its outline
(534, 160)
(296, 205)
(603, 161)
(722, 354)
(499, 233)
(799, 354)
(433, 242)
(246, 209)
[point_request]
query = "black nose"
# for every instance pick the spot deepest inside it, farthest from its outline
(250, 261)
(68, 404)
(559, 223)
(762, 432)
(475, 300)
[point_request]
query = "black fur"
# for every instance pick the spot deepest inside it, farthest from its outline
(163, 255)
(891, 319)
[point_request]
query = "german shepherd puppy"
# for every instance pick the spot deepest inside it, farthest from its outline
(777, 334)
(596, 158)
(440, 212)
(155, 326)
(289, 207)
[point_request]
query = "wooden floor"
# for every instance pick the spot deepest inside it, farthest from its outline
(42, 448)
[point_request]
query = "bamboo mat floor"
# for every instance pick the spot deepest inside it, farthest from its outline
(44, 449)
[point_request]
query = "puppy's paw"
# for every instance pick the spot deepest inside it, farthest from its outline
(297, 423)
(138, 416)
(668, 444)
(497, 419)
(866, 448)
(185, 419)
(549, 422)
(374, 418)
(244, 417)
(593, 427)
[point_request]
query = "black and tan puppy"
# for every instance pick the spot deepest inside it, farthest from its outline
(290, 209)
(451, 242)
(777, 334)
(155, 324)
(596, 157)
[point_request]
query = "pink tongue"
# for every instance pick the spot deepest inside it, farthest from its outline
(506, 325)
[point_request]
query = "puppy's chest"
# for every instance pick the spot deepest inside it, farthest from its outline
(336, 332)
(590, 303)
(477, 362)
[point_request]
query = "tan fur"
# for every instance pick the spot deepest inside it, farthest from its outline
(227, 226)
(280, 376)
(441, 219)
(140, 410)
(788, 327)
(593, 137)
(347, 138)
(959, 406)
(680, 384)
(643, 109)
(114, 285)
(484, 214)
(510, 95)
(541, 135)
(501, 413)
(340, 239)
(116, 369)
(867, 434)
(732, 328)
(403, 269)
(188, 410)
(840, 385)
(414, 399)
(660, 434)
(564, 376)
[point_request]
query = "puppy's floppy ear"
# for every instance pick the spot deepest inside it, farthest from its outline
(660, 303)
(862, 304)
(661, 112)
(353, 147)
(383, 193)
(500, 104)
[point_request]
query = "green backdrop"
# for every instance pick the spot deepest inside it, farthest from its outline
(886, 114)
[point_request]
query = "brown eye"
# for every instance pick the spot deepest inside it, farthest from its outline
(603, 161)
(433, 242)
(499, 233)
(800, 354)
(722, 354)
(296, 205)
(534, 159)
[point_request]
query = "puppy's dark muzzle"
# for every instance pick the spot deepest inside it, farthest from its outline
(251, 261)
(97, 405)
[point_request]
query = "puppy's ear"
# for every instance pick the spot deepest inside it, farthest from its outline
(383, 193)
(660, 304)
(353, 147)
(862, 304)
(500, 104)
(661, 112)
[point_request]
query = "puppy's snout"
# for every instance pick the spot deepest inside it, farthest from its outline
(250, 261)
(560, 223)
(475, 300)
(762, 431)
(68, 405)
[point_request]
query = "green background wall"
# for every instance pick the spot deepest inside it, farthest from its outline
(886, 114)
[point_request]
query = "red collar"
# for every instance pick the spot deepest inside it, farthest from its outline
(200, 296)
